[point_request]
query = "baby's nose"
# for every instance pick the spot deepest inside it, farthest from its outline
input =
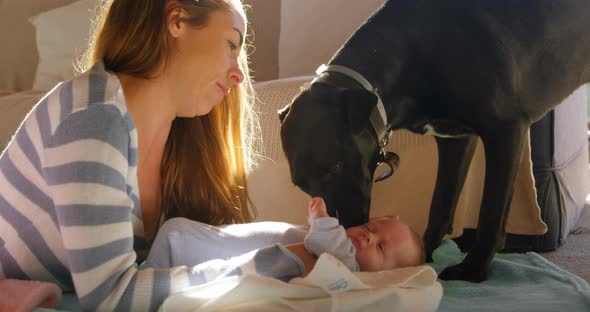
(370, 238)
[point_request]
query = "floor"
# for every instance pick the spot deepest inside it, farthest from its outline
(574, 254)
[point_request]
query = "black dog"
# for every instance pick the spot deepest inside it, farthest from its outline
(455, 69)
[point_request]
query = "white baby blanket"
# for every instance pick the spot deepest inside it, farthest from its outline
(329, 287)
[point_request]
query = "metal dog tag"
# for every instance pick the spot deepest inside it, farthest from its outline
(392, 160)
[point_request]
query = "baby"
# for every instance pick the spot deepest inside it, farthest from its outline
(281, 250)
(384, 243)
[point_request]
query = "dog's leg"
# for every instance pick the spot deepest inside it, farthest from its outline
(503, 151)
(454, 158)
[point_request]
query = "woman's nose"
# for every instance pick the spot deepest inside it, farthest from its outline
(236, 76)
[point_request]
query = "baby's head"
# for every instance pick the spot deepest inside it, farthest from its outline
(385, 243)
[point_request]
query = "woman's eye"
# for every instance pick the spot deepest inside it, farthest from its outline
(232, 46)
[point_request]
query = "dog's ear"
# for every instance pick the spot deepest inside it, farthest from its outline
(359, 104)
(283, 112)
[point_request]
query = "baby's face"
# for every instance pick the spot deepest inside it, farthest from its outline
(385, 243)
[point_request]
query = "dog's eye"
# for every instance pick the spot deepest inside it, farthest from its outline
(336, 169)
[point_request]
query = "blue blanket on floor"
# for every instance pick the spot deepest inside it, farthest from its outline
(518, 282)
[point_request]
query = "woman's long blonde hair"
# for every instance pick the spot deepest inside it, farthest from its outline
(206, 158)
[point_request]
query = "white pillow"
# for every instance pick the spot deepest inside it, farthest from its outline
(62, 36)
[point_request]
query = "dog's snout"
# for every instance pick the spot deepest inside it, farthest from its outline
(310, 187)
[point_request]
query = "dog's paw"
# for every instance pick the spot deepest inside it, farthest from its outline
(428, 251)
(429, 247)
(462, 273)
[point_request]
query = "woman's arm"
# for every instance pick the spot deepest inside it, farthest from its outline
(86, 165)
(89, 165)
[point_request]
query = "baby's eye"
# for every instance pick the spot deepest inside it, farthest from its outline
(381, 248)
(336, 169)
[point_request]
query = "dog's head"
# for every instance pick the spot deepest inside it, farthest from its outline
(331, 148)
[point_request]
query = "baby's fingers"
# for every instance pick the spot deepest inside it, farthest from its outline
(317, 208)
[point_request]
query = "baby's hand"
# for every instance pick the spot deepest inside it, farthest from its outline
(316, 209)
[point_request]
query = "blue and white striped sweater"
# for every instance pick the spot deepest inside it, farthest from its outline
(69, 200)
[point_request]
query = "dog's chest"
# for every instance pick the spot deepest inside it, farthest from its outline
(442, 128)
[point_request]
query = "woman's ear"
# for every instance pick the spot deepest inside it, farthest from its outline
(174, 20)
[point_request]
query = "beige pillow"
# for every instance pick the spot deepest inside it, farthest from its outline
(62, 36)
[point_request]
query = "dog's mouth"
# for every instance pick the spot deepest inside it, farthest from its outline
(349, 210)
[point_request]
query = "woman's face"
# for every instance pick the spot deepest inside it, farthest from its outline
(203, 62)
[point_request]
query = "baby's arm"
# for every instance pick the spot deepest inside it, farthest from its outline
(327, 235)
(304, 255)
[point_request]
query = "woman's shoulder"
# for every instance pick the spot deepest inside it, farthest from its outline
(88, 102)
(95, 87)
(76, 114)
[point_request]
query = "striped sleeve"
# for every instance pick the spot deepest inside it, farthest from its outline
(86, 168)
(326, 235)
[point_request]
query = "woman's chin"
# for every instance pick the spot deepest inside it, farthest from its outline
(202, 110)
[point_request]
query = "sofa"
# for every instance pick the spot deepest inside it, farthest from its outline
(552, 182)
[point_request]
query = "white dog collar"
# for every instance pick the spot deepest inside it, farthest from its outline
(378, 117)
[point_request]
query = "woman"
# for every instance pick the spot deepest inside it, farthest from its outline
(157, 128)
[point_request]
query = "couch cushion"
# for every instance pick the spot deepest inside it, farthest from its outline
(14, 108)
